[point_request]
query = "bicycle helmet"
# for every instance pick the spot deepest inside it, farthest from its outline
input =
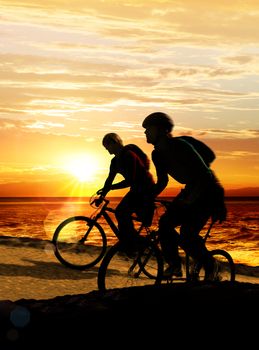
(159, 119)
(112, 137)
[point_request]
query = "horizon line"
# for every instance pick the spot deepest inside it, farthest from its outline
(87, 197)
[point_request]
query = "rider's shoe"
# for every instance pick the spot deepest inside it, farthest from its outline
(172, 270)
(194, 271)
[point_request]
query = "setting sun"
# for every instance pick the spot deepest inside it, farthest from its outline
(83, 168)
(60, 96)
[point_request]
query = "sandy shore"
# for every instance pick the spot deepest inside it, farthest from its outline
(29, 270)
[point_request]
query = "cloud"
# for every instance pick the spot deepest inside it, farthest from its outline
(72, 71)
(239, 155)
(239, 60)
(44, 125)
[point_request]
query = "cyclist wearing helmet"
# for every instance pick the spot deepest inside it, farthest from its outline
(201, 196)
(133, 164)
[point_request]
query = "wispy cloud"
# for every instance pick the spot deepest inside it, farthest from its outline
(70, 71)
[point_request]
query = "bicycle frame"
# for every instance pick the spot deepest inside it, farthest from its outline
(187, 256)
(104, 213)
(140, 260)
(80, 241)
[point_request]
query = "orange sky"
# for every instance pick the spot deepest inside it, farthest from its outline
(73, 71)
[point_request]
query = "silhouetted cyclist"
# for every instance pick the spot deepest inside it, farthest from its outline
(201, 197)
(133, 164)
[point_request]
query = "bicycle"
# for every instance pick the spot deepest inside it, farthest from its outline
(146, 266)
(80, 242)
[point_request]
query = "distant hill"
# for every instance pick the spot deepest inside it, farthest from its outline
(243, 192)
(238, 192)
(53, 190)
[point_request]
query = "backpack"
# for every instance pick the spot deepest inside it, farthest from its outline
(142, 155)
(204, 151)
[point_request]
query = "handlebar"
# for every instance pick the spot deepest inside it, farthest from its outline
(96, 200)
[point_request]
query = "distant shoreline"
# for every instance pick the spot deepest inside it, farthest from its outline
(86, 199)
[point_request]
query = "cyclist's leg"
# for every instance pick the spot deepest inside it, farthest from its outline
(123, 213)
(169, 238)
(145, 208)
(190, 240)
(127, 233)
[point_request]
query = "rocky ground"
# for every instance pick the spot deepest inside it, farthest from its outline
(123, 318)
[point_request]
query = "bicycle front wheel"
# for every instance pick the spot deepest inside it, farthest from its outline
(119, 269)
(79, 242)
(224, 266)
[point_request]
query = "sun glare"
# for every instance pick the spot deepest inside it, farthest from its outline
(83, 168)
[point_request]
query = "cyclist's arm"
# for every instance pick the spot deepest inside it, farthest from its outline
(108, 182)
(108, 185)
(161, 173)
(119, 185)
(129, 164)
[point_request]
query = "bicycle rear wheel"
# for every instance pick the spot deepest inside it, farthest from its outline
(224, 267)
(119, 269)
(79, 242)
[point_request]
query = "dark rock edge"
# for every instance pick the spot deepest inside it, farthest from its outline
(127, 313)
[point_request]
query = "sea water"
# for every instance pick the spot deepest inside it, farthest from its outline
(37, 218)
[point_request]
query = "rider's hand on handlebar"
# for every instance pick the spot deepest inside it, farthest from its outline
(102, 193)
(98, 201)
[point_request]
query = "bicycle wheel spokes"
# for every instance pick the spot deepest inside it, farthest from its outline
(224, 269)
(79, 242)
(119, 269)
(224, 266)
